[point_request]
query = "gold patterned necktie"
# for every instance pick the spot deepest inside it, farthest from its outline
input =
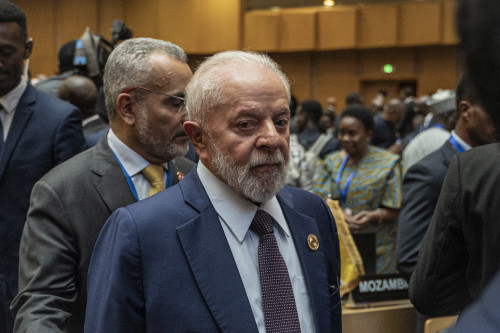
(154, 174)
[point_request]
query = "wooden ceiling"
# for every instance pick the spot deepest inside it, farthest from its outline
(266, 4)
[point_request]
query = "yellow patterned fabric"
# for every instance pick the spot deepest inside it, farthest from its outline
(376, 183)
(351, 264)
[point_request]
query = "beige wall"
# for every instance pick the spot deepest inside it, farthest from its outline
(324, 51)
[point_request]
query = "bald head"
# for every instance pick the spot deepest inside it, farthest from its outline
(81, 92)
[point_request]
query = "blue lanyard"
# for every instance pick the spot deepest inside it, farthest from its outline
(457, 145)
(131, 183)
(343, 194)
(169, 176)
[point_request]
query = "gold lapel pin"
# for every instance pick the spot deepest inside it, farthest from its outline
(312, 242)
(180, 175)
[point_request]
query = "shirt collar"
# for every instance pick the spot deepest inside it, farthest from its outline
(10, 100)
(132, 162)
(89, 119)
(236, 211)
(460, 141)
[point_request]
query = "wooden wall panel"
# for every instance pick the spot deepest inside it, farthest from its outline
(337, 28)
(336, 76)
(315, 74)
(297, 66)
(450, 35)
(178, 23)
(107, 11)
(440, 69)
(297, 30)
(200, 27)
(42, 27)
(218, 25)
(142, 17)
(378, 25)
(420, 23)
(261, 30)
(73, 17)
(337, 73)
(371, 62)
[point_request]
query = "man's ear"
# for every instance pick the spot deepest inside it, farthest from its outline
(198, 138)
(28, 48)
(464, 110)
(126, 107)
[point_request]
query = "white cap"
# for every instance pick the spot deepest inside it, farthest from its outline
(441, 102)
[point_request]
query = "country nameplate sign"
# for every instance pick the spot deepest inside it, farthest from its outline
(380, 288)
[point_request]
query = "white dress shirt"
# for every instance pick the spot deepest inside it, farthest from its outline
(9, 102)
(133, 164)
(461, 142)
(236, 214)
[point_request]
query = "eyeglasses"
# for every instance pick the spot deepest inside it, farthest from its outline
(182, 105)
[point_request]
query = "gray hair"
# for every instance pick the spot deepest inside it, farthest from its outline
(205, 91)
(394, 104)
(129, 66)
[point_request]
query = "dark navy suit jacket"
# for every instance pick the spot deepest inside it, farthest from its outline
(45, 131)
(420, 192)
(483, 316)
(164, 264)
(460, 251)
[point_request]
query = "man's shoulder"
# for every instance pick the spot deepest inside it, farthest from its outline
(480, 154)
(435, 159)
(77, 167)
(183, 164)
(301, 200)
(430, 134)
(47, 105)
(482, 161)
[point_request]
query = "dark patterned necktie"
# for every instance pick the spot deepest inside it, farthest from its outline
(278, 303)
(1, 129)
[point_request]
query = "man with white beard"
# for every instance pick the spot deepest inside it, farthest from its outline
(230, 248)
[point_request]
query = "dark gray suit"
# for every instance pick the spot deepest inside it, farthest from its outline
(45, 132)
(68, 209)
(420, 192)
(460, 251)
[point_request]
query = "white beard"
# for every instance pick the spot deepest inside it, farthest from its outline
(243, 180)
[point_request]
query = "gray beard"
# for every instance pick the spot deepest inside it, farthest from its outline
(166, 150)
(258, 188)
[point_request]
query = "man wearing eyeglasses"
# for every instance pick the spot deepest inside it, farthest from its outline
(144, 82)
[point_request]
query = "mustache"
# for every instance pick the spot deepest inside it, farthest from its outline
(261, 158)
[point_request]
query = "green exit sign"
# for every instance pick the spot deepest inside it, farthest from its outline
(388, 69)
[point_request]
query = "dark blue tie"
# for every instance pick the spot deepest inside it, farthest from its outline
(1, 129)
(278, 302)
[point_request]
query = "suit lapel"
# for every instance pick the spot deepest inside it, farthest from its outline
(313, 263)
(448, 152)
(21, 117)
(111, 184)
(212, 263)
